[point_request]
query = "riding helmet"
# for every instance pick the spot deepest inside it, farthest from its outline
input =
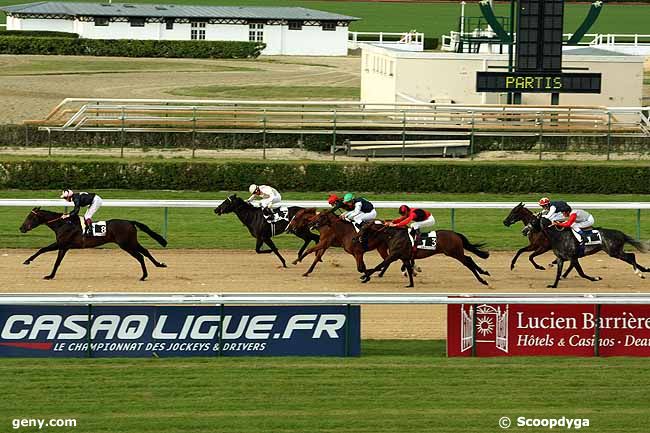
(332, 199)
(544, 201)
(404, 209)
(348, 197)
(252, 188)
(67, 193)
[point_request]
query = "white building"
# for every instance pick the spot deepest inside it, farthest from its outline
(284, 30)
(394, 76)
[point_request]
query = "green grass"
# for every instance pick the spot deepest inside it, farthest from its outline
(201, 228)
(269, 92)
(434, 19)
(95, 65)
(395, 386)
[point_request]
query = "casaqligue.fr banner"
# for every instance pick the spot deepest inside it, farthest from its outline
(143, 331)
(556, 330)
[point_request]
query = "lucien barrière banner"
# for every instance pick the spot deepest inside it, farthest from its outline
(548, 330)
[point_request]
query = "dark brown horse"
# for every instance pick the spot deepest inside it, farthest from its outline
(538, 241)
(69, 236)
(334, 232)
(448, 242)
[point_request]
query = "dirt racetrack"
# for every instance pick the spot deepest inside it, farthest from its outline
(244, 271)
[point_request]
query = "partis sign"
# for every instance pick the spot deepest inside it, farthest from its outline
(575, 330)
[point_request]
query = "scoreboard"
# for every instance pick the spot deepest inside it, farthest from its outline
(538, 82)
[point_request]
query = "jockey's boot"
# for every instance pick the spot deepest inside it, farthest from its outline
(417, 238)
(268, 214)
(364, 241)
(89, 228)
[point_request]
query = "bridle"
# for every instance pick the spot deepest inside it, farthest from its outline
(50, 221)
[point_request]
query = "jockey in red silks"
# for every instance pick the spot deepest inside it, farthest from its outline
(415, 218)
(578, 220)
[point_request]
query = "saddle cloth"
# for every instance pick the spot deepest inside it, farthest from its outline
(98, 230)
(592, 237)
(428, 241)
(277, 215)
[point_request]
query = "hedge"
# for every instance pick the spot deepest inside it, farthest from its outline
(38, 33)
(130, 47)
(445, 177)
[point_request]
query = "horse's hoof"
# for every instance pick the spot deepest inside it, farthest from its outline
(26, 262)
(485, 283)
(597, 279)
(409, 286)
(48, 277)
(512, 267)
(551, 286)
(540, 268)
(162, 265)
(365, 279)
(143, 279)
(306, 274)
(295, 262)
(487, 273)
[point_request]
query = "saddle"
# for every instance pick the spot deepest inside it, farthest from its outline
(276, 215)
(427, 241)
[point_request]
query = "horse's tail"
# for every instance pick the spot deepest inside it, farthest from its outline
(162, 241)
(474, 248)
(643, 246)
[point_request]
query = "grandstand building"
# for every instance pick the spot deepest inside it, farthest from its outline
(284, 30)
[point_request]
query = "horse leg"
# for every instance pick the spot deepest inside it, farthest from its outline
(560, 264)
(519, 252)
(576, 264)
(471, 265)
(409, 269)
(568, 271)
(258, 247)
(478, 268)
(322, 244)
(386, 263)
(631, 259)
(51, 247)
(319, 255)
(536, 253)
(270, 243)
(145, 252)
(59, 258)
(307, 238)
(133, 252)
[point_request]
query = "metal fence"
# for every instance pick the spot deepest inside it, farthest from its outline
(452, 206)
(332, 118)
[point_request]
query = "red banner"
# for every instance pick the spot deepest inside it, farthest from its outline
(554, 330)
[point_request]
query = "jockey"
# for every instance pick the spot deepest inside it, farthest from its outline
(577, 219)
(554, 210)
(361, 209)
(83, 199)
(336, 203)
(264, 196)
(416, 218)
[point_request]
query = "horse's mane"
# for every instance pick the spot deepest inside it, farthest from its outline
(46, 212)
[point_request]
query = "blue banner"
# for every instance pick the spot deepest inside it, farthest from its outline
(143, 331)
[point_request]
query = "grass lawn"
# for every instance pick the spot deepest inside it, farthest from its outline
(395, 386)
(201, 228)
(270, 92)
(98, 65)
(434, 19)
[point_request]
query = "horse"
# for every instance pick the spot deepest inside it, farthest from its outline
(262, 230)
(567, 248)
(448, 242)
(69, 236)
(538, 241)
(334, 232)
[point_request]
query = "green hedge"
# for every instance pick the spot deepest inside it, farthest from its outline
(130, 47)
(445, 177)
(38, 33)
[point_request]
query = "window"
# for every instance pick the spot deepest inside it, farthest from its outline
(295, 25)
(101, 21)
(169, 24)
(256, 32)
(329, 26)
(137, 22)
(197, 30)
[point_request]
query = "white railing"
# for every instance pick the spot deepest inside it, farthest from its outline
(381, 204)
(408, 41)
(103, 298)
(631, 40)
